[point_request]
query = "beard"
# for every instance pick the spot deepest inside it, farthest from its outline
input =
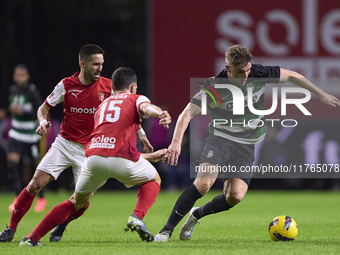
(91, 76)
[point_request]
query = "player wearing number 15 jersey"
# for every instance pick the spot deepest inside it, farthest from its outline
(111, 153)
(122, 112)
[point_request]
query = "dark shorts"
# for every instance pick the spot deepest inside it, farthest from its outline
(230, 157)
(29, 149)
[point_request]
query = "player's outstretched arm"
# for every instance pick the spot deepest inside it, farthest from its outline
(181, 125)
(147, 147)
(303, 82)
(157, 156)
(42, 118)
(154, 111)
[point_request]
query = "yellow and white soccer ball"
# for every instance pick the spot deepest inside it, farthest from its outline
(283, 228)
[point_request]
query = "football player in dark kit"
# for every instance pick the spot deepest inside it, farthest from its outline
(227, 145)
(24, 98)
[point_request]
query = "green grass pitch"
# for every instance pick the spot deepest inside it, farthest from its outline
(242, 230)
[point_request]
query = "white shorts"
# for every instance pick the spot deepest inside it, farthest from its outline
(98, 169)
(63, 154)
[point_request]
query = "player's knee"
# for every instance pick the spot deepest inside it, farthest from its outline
(234, 198)
(157, 179)
(77, 205)
(203, 186)
(34, 186)
(80, 200)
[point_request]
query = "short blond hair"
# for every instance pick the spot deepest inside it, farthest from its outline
(236, 55)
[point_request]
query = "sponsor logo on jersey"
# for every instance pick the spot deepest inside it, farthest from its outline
(75, 92)
(83, 110)
(103, 142)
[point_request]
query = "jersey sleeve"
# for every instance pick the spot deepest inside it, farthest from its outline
(197, 98)
(270, 73)
(57, 96)
(139, 101)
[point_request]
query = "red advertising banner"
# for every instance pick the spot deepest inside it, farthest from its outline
(189, 39)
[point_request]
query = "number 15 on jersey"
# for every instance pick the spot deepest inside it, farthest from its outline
(112, 113)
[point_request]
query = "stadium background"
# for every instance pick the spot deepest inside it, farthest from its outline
(169, 42)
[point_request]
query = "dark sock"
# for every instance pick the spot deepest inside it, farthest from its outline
(41, 193)
(183, 205)
(218, 204)
(14, 177)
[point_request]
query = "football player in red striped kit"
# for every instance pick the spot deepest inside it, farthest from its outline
(80, 94)
(111, 152)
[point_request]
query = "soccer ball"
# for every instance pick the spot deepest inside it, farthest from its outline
(283, 228)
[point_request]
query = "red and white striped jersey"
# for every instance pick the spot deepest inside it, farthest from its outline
(80, 103)
(115, 130)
